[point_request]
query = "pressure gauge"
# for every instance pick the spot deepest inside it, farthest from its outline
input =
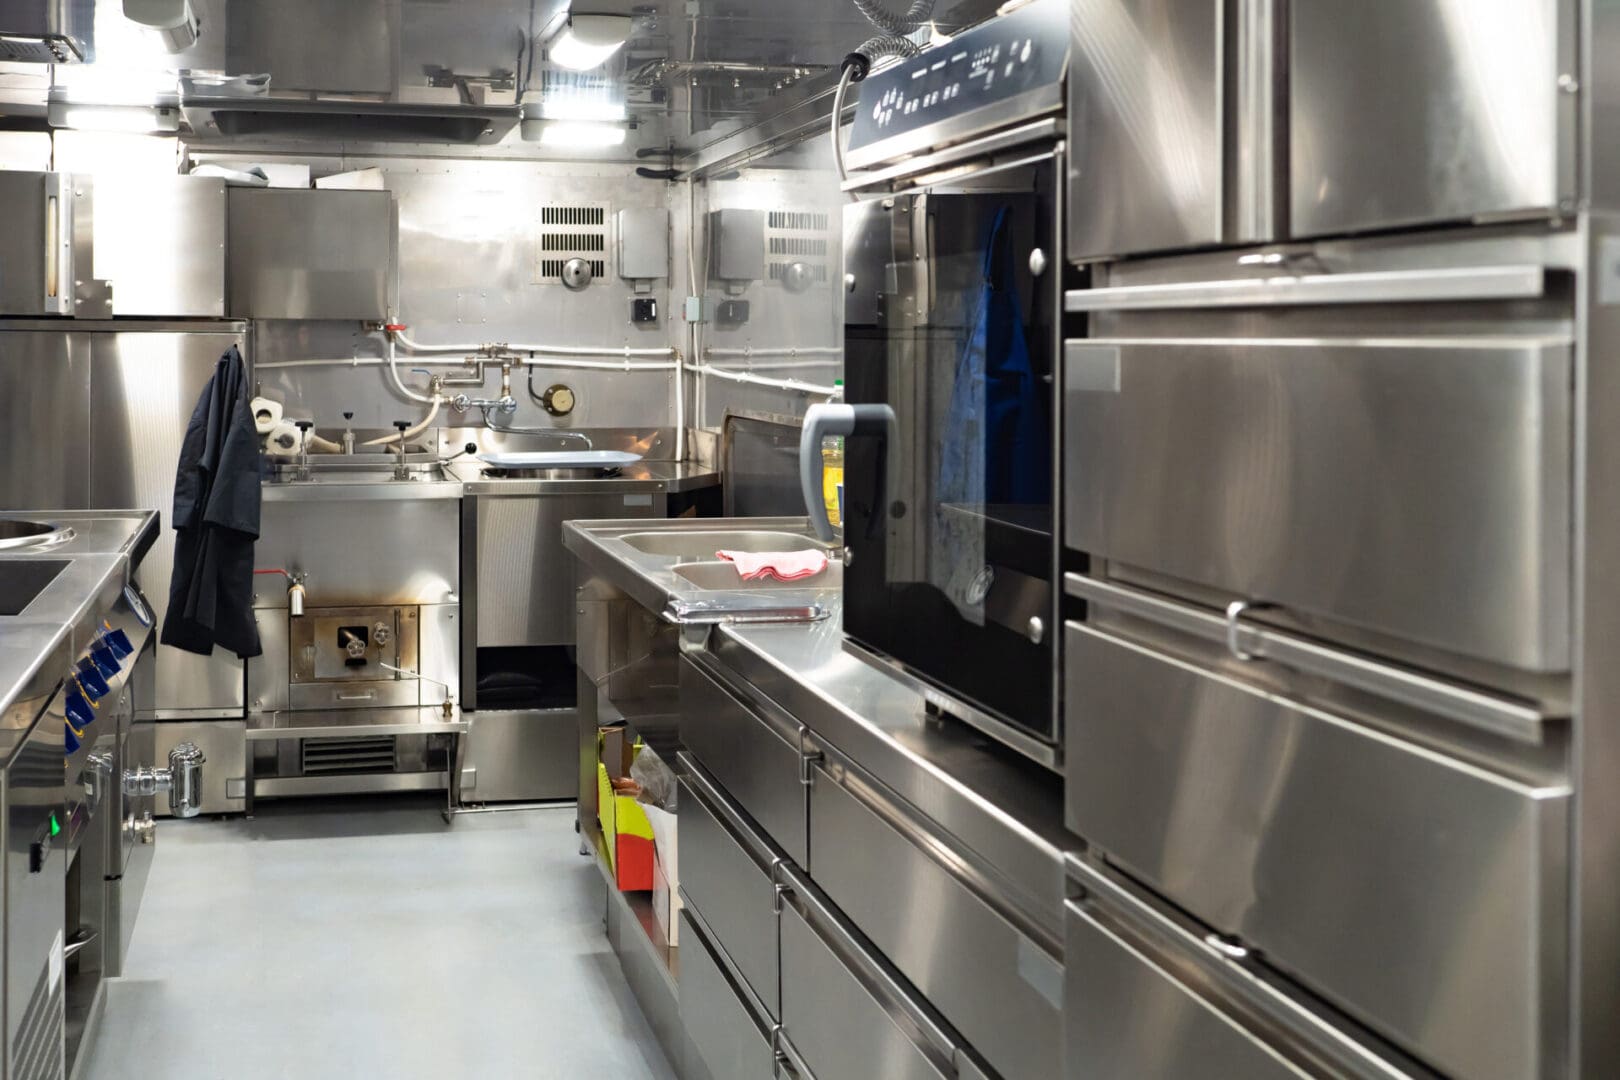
(558, 400)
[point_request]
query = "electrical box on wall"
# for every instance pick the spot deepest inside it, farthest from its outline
(643, 240)
(737, 241)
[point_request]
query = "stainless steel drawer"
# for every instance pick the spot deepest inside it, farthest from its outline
(1129, 1019)
(999, 987)
(726, 868)
(1395, 881)
(846, 1012)
(731, 1038)
(753, 755)
(1417, 488)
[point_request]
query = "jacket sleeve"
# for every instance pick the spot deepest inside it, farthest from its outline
(233, 500)
(190, 488)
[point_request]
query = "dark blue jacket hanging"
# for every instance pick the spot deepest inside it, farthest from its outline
(995, 448)
(216, 520)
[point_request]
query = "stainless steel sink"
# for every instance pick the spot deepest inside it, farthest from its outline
(21, 534)
(703, 544)
(723, 577)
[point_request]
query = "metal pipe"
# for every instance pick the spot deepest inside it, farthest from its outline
(762, 380)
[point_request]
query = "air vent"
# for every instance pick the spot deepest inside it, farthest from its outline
(800, 247)
(571, 232)
(360, 754)
(798, 220)
(816, 273)
(37, 1052)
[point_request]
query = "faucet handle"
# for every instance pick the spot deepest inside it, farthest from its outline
(402, 425)
(303, 425)
(347, 415)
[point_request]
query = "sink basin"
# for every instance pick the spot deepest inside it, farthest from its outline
(21, 534)
(21, 581)
(723, 577)
(703, 544)
(355, 473)
(553, 472)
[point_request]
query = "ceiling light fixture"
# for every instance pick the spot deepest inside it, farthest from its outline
(583, 42)
(582, 136)
(134, 119)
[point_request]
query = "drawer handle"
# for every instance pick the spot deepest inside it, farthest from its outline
(1234, 629)
(1230, 948)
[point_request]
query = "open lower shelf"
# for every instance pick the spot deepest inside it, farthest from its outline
(638, 905)
(343, 723)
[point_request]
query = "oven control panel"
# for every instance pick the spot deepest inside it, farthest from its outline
(1002, 71)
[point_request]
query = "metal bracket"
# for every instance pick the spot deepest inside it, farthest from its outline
(1234, 628)
(808, 758)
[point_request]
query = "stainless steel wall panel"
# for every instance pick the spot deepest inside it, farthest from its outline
(726, 877)
(1418, 487)
(727, 1037)
(754, 759)
(1464, 94)
(160, 241)
(996, 986)
(525, 577)
(45, 413)
(521, 755)
(314, 254)
(1146, 100)
(361, 553)
(1271, 820)
(144, 386)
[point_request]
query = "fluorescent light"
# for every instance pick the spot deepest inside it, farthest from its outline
(587, 41)
(582, 136)
(581, 108)
(139, 119)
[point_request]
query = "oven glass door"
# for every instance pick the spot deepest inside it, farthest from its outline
(948, 323)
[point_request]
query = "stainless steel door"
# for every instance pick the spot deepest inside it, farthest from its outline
(35, 872)
(1410, 111)
(977, 965)
(845, 1011)
(755, 758)
(726, 874)
(1396, 881)
(143, 387)
(46, 418)
(731, 1039)
(1146, 99)
(1415, 487)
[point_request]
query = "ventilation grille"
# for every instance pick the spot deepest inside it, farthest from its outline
(561, 241)
(571, 232)
(552, 269)
(38, 1053)
(573, 215)
(798, 220)
(799, 245)
(359, 754)
(816, 271)
(802, 239)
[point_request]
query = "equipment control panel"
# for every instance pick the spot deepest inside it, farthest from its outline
(1006, 58)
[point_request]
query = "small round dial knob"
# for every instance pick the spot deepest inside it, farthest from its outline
(558, 400)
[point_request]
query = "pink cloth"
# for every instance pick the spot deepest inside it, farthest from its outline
(784, 565)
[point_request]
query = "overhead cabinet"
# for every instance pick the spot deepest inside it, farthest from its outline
(316, 254)
(1197, 123)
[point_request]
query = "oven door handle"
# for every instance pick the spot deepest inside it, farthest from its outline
(823, 421)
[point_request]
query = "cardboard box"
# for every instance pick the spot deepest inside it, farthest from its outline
(627, 836)
(358, 180)
(666, 898)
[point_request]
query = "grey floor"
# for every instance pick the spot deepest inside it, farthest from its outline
(368, 939)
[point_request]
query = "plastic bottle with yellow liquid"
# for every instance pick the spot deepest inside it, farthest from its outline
(832, 466)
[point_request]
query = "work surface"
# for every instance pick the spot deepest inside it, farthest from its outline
(368, 939)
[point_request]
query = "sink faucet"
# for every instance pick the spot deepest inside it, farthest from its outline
(348, 432)
(401, 470)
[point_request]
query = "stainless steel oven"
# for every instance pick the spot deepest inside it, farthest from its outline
(951, 330)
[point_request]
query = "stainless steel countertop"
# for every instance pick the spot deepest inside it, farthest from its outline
(37, 645)
(1006, 809)
(369, 476)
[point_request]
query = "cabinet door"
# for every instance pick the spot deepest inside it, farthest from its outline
(1145, 110)
(1412, 111)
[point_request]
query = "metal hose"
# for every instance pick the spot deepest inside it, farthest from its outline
(891, 23)
(889, 45)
